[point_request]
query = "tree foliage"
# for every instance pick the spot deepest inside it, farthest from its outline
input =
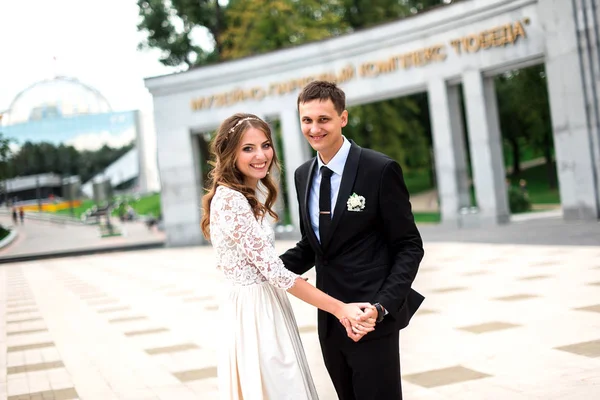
(169, 26)
(4, 155)
(391, 127)
(524, 112)
(256, 27)
(245, 27)
(38, 158)
(364, 13)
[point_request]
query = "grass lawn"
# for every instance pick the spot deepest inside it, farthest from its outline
(427, 217)
(536, 177)
(144, 206)
(417, 181)
(147, 205)
(527, 154)
(537, 185)
(77, 211)
(3, 232)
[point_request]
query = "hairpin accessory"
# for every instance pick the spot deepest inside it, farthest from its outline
(242, 120)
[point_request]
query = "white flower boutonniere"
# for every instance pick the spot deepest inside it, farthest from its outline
(356, 202)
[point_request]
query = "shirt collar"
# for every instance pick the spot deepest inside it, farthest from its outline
(337, 163)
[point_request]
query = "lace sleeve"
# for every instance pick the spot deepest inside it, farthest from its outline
(239, 224)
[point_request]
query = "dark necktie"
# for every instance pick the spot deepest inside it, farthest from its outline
(325, 203)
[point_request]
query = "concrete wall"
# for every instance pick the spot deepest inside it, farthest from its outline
(572, 68)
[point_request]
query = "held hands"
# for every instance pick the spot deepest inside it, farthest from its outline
(363, 326)
(358, 319)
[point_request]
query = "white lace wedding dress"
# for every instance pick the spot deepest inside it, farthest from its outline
(260, 354)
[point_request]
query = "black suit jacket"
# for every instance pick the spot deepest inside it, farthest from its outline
(369, 256)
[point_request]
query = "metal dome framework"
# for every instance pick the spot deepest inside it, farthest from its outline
(57, 97)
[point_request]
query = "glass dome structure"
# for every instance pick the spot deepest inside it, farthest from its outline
(55, 98)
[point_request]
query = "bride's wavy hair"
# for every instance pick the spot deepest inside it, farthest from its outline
(224, 149)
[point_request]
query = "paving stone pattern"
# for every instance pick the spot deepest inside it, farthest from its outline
(500, 321)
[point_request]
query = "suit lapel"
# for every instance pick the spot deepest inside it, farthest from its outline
(348, 178)
(310, 233)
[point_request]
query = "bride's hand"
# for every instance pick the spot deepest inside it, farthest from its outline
(366, 322)
(354, 318)
(352, 312)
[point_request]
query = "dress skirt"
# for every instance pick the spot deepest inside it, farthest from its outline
(260, 354)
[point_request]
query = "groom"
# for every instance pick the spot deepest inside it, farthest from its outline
(358, 230)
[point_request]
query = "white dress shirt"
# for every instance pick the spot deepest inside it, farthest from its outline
(336, 164)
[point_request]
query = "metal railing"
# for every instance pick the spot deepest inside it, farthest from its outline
(48, 217)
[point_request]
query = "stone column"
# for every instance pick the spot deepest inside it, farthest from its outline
(449, 148)
(295, 153)
(486, 148)
(279, 206)
(180, 193)
(140, 145)
(571, 34)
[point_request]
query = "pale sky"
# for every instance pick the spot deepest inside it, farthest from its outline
(93, 41)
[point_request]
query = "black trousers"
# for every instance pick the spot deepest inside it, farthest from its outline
(368, 370)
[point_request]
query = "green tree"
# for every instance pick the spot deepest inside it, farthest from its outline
(256, 27)
(536, 113)
(169, 27)
(68, 160)
(4, 156)
(4, 171)
(364, 13)
(393, 127)
(513, 126)
(525, 115)
(361, 14)
(39, 158)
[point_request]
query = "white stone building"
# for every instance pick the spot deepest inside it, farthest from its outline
(468, 42)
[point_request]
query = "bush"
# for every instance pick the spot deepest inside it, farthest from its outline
(3, 232)
(518, 201)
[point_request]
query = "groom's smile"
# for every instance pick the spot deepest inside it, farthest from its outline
(318, 137)
(322, 127)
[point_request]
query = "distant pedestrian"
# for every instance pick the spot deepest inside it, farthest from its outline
(22, 215)
(523, 188)
(15, 216)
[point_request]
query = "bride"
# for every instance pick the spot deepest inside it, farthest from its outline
(260, 353)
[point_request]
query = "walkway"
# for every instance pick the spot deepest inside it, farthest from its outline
(40, 237)
(501, 321)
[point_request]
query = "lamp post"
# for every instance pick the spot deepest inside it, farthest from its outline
(38, 193)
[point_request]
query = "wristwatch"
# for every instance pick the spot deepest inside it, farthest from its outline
(381, 312)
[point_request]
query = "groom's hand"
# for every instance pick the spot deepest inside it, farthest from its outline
(369, 314)
(348, 325)
(363, 324)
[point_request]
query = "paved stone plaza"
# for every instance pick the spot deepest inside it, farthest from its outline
(42, 238)
(501, 321)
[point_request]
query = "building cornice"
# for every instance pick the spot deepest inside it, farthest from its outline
(336, 49)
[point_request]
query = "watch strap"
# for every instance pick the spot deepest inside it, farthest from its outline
(380, 311)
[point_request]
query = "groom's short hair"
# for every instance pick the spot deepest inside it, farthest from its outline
(323, 91)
